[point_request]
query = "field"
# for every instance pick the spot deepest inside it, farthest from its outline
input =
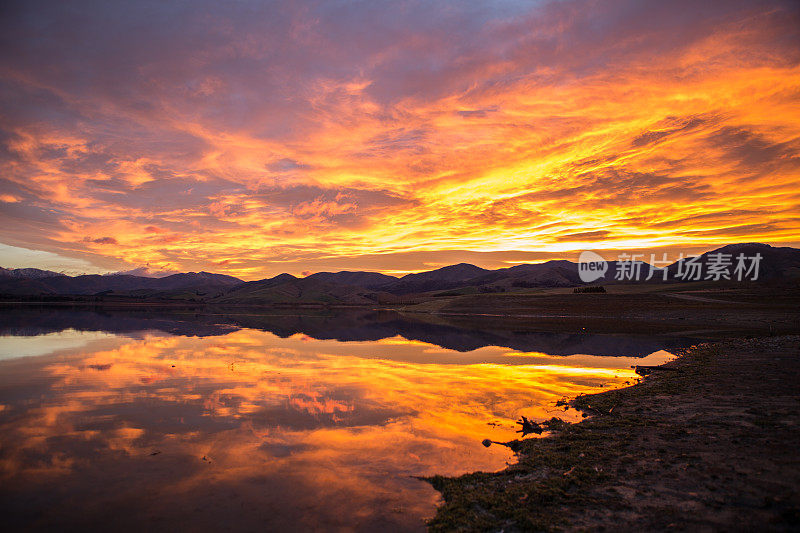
(703, 310)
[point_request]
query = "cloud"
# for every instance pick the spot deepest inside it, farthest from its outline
(669, 127)
(233, 136)
(286, 165)
(102, 240)
(585, 235)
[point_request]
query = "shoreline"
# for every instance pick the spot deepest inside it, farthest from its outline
(708, 445)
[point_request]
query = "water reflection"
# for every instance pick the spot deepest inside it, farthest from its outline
(245, 429)
(341, 325)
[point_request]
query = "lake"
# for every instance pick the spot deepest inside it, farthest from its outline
(241, 420)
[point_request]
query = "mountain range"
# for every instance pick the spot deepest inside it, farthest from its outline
(355, 287)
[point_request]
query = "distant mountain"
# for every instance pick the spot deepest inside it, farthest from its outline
(27, 273)
(459, 272)
(776, 263)
(248, 289)
(195, 279)
(556, 273)
(435, 280)
(368, 280)
(200, 283)
(287, 289)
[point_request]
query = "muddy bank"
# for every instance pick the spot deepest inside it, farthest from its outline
(711, 445)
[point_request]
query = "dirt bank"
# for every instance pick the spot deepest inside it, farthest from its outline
(710, 445)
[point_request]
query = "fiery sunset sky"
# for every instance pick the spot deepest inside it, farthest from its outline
(253, 138)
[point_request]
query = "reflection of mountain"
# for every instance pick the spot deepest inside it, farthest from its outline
(41, 320)
(360, 325)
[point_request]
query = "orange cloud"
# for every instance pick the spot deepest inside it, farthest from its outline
(673, 125)
(195, 416)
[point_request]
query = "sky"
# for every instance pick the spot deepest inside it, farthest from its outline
(254, 138)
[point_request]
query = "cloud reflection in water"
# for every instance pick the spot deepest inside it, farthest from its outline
(250, 430)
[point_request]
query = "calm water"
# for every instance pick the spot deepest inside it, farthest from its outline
(253, 422)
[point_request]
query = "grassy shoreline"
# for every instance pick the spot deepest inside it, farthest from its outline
(710, 444)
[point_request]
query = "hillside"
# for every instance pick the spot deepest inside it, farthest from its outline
(198, 283)
(777, 265)
(287, 289)
(26, 273)
(368, 280)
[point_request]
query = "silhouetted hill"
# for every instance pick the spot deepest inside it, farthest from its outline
(287, 289)
(203, 283)
(557, 273)
(435, 280)
(776, 263)
(459, 272)
(194, 280)
(368, 280)
(27, 273)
